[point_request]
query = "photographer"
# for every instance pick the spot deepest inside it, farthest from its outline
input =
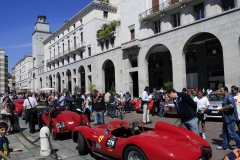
(202, 106)
(98, 107)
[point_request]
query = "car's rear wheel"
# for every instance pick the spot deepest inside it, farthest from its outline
(82, 145)
(133, 152)
(53, 132)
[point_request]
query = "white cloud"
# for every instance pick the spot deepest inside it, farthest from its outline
(17, 46)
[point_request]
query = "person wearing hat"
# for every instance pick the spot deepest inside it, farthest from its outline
(98, 107)
(145, 102)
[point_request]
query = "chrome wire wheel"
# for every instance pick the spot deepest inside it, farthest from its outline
(134, 155)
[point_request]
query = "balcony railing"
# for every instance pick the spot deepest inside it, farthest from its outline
(79, 46)
(131, 44)
(157, 9)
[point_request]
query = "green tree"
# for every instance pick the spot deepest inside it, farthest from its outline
(113, 89)
(91, 87)
(64, 90)
(168, 85)
(76, 88)
(220, 85)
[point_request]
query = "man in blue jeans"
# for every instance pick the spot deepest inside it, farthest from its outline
(186, 109)
(98, 107)
(230, 116)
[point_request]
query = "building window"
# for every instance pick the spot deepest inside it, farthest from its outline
(58, 63)
(107, 44)
(89, 68)
(191, 54)
(89, 51)
(68, 59)
(81, 36)
(74, 26)
(112, 41)
(199, 11)
(58, 49)
(132, 34)
(105, 14)
(227, 4)
(62, 61)
(176, 19)
(157, 26)
(213, 48)
(74, 57)
(102, 46)
(81, 21)
(81, 54)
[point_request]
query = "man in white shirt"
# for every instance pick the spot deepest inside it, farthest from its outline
(29, 104)
(236, 96)
(145, 102)
(202, 106)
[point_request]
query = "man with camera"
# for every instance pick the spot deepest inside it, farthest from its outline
(202, 106)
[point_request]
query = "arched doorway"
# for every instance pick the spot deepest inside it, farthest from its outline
(69, 80)
(58, 82)
(50, 81)
(82, 81)
(204, 61)
(109, 75)
(159, 66)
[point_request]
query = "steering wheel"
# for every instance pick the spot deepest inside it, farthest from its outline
(135, 127)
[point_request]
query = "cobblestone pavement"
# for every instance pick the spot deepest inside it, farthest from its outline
(66, 148)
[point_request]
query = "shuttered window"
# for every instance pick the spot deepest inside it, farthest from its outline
(227, 4)
(199, 11)
(155, 5)
(132, 34)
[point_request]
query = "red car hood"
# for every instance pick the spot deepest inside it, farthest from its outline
(70, 119)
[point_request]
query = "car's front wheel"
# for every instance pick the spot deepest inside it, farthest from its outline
(133, 152)
(82, 145)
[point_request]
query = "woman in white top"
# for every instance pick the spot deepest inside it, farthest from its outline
(202, 106)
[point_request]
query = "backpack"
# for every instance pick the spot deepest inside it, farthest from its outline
(111, 98)
(234, 155)
(160, 96)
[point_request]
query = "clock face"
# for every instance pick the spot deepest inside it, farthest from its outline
(40, 37)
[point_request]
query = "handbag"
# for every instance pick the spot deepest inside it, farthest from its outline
(3, 111)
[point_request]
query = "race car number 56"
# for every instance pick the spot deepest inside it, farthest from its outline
(111, 142)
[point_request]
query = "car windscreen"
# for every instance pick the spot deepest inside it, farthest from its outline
(216, 97)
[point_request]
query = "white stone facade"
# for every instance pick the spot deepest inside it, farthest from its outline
(136, 41)
(20, 72)
(3, 72)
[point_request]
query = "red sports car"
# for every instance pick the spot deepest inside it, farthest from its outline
(124, 140)
(19, 106)
(61, 120)
(169, 108)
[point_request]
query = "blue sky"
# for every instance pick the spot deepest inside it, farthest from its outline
(17, 19)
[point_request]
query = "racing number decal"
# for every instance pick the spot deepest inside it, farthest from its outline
(111, 142)
(100, 139)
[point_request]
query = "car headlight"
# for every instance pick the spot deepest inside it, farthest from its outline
(60, 125)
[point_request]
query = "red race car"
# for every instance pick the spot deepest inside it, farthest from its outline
(124, 140)
(19, 106)
(169, 108)
(61, 120)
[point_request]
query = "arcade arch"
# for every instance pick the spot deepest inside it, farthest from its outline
(69, 80)
(82, 81)
(109, 72)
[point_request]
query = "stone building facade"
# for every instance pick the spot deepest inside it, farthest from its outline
(191, 43)
(3, 72)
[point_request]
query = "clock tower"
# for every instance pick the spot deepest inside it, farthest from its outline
(40, 34)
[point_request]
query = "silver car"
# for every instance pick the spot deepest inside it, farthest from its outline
(215, 99)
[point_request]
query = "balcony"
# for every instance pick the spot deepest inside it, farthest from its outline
(131, 45)
(77, 47)
(159, 10)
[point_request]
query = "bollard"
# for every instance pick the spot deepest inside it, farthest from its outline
(44, 142)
